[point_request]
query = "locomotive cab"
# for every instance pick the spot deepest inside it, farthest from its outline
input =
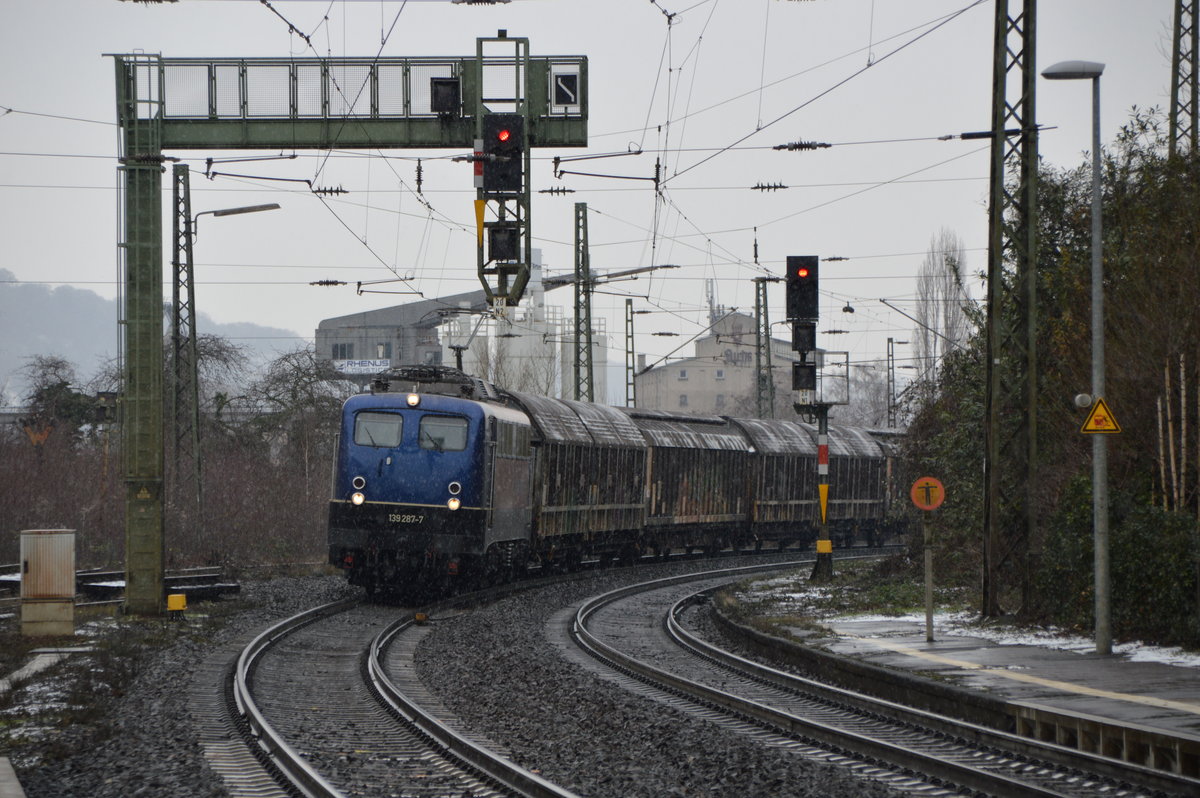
(428, 489)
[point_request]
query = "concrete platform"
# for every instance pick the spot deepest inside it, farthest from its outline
(9, 786)
(1150, 694)
(1141, 711)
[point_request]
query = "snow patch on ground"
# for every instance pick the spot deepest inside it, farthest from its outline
(967, 624)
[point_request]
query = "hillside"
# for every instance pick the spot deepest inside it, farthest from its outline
(81, 326)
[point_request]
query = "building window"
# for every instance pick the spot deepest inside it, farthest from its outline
(720, 374)
(343, 351)
(683, 400)
(383, 351)
(720, 401)
(683, 374)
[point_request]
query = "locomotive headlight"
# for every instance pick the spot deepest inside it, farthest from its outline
(413, 400)
(455, 488)
(454, 503)
(357, 498)
(359, 483)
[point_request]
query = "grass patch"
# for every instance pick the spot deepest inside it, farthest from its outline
(790, 605)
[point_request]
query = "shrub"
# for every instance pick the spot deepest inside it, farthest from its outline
(1153, 572)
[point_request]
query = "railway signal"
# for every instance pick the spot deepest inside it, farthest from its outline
(804, 376)
(802, 298)
(504, 153)
(804, 336)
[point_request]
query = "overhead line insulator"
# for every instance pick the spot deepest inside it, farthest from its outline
(793, 146)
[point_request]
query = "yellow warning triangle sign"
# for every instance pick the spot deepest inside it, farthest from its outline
(1100, 419)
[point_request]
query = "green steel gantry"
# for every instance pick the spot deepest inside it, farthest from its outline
(271, 103)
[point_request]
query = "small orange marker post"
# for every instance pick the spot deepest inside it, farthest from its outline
(928, 493)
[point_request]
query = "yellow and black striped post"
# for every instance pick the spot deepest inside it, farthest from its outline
(823, 568)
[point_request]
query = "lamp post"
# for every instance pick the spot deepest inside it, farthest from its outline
(270, 206)
(1090, 70)
(185, 399)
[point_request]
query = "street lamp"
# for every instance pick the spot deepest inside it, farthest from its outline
(1090, 70)
(185, 360)
(270, 206)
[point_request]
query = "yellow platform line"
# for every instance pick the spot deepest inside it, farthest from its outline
(1018, 676)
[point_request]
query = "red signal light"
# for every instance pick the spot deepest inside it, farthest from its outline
(503, 135)
(801, 272)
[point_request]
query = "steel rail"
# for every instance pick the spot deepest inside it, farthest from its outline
(305, 780)
(976, 734)
(453, 745)
(825, 734)
(295, 769)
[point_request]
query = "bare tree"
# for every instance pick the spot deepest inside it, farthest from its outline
(515, 358)
(943, 324)
(868, 397)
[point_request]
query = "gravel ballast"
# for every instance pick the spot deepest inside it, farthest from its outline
(145, 742)
(493, 667)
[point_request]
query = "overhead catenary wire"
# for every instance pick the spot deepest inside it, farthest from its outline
(835, 86)
(801, 73)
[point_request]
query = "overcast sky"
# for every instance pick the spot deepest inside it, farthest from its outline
(681, 80)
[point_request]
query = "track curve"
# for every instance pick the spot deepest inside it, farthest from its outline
(638, 630)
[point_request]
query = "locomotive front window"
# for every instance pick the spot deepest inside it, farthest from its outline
(443, 433)
(378, 429)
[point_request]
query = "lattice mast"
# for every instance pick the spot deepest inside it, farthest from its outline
(630, 358)
(185, 359)
(583, 308)
(1184, 81)
(764, 382)
(1011, 402)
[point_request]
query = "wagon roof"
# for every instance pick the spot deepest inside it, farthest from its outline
(580, 422)
(773, 436)
(779, 436)
(850, 441)
(608, 425)
(688, 432)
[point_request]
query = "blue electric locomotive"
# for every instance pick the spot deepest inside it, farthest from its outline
(426, 486)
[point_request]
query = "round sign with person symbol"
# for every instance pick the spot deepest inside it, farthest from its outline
(928, 493)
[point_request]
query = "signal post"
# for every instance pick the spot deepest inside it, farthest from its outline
(803, 311)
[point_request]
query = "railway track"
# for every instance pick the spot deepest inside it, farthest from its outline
(96, 587)
(316, 703)
(640, 631)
